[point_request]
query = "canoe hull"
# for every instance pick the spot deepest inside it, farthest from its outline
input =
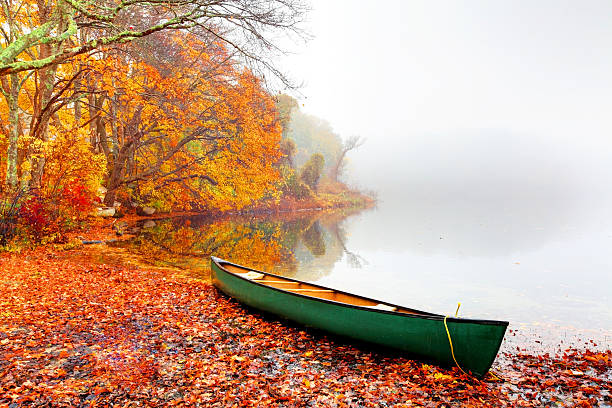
(475, 342)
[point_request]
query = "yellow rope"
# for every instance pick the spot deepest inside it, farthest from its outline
(451, 345)
(453, 351)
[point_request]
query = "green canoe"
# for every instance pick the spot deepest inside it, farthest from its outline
(433, 337)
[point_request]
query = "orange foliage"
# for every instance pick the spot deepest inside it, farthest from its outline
(203, 135)
(182, 128)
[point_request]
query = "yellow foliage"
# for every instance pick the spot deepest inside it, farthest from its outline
(69, 158)
(239, 242)
(215, 126)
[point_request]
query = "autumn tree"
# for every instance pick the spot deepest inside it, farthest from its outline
(13, 21)
(288, 149)
(311, 171)
(285, 105)
(55, 25)
(312, 134)
(195, 130)
(349, 144)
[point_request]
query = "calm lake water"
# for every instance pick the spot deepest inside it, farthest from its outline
(546, 270)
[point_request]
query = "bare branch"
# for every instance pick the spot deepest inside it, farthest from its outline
(246, 26)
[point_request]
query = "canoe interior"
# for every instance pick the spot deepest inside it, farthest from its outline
(315, 291)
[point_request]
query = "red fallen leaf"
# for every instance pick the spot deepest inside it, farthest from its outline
(591, 358)
(100, 390)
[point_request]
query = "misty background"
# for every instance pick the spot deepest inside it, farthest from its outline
(498, 108)
(488, 128)
(464, 91)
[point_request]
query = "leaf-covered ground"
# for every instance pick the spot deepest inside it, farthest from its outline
(77, 333)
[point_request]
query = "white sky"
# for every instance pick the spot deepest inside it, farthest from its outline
(379, 68)
(451, 92)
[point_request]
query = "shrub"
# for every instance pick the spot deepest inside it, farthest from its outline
(294, 187)
(35, 217)
(311, 172)
(44, 214)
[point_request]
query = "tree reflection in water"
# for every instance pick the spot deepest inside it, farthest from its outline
(305, 245)
(353, 259)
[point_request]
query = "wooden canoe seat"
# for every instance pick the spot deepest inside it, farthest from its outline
(310, 290)
(275, 281)
(251, 275)
(382, 306)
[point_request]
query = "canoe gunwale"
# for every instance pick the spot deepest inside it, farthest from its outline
(418, 313)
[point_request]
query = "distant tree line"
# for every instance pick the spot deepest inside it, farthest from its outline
(312, 150)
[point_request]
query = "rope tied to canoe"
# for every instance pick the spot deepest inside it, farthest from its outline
(450, 341)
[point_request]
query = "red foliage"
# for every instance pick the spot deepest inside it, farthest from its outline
(46, 213)
(34, 215)
(76, 197)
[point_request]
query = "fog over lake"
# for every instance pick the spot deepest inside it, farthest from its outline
(521, 224)
(489, 144)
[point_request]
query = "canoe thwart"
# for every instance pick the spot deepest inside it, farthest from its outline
(251, 275)
(275, 281)
(311, 290)
(382, 306)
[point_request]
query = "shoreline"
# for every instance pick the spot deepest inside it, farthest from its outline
(101, 228)
(356, 200)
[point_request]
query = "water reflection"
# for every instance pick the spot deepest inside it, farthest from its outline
(353, 259)
(305, 245)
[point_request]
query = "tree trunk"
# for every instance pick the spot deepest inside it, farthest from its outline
(114, 126)
(91, 107)
(336, 169)
(117, 173)
(12, 153)
(101, 130)
(77, 104)
(47, 79)
(46, 84)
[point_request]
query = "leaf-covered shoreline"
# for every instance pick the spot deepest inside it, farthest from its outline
(74, 332)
